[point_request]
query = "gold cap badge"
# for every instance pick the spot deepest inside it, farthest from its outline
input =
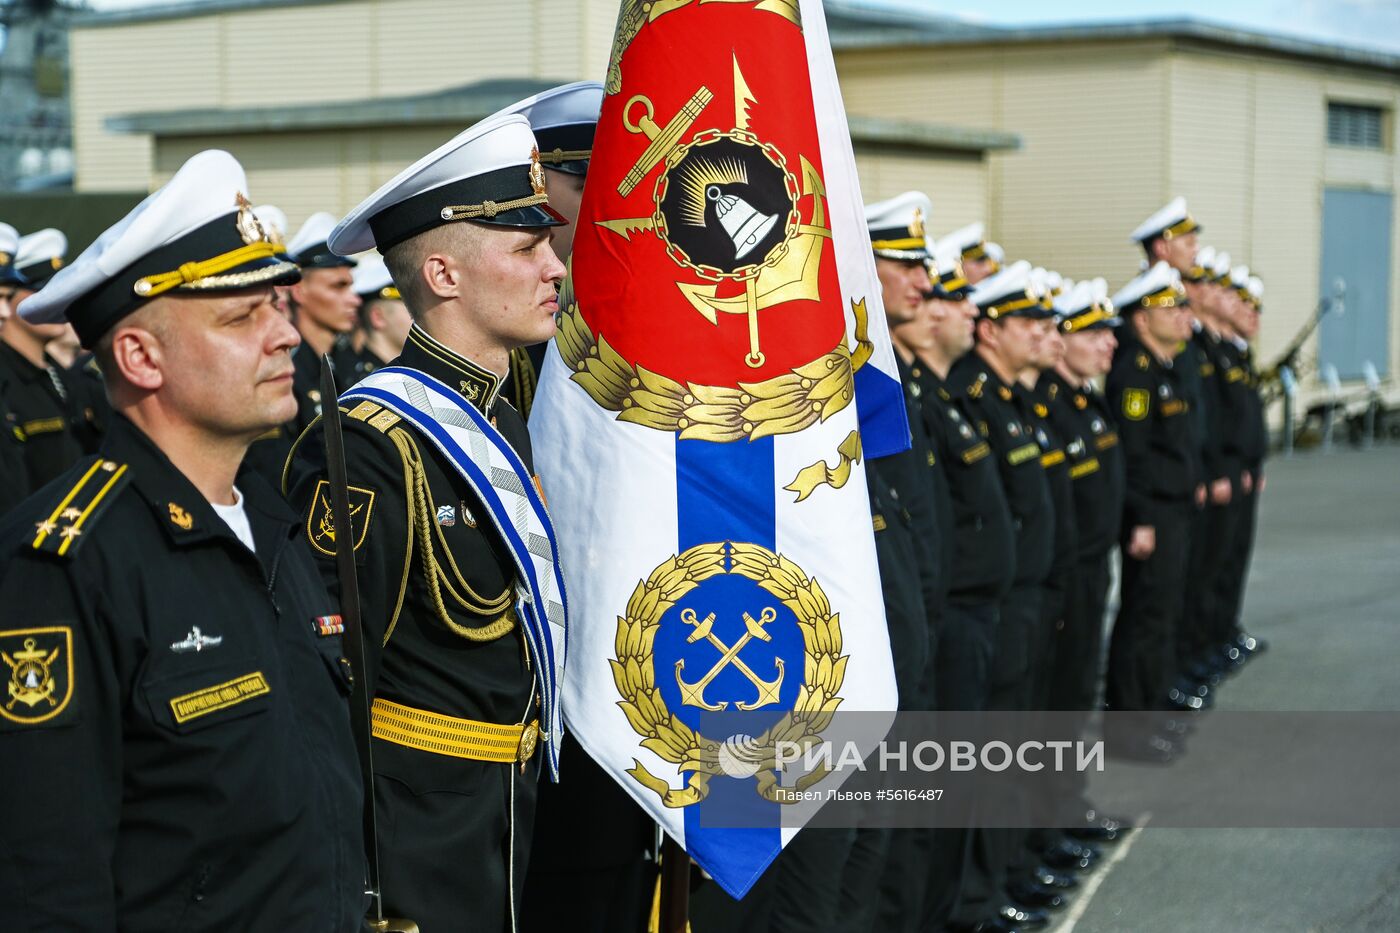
(536, 171)
(250, 228)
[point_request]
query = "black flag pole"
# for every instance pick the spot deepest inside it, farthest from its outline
(355, 645)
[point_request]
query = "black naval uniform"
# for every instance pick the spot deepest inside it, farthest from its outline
(438, 589)
(1097, 483)
(43, 401)
(1247, 443)
(1011, 435)
(14, 471)
(1154, 423)
(1211, 523)
(838, 879)
(925, 490)
(1013, 441)
(1057, 445)
(983, 564)
(982, 555)
(177, 740)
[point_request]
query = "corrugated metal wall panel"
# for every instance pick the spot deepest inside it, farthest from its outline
(1211, 139)
(128, 68)
(296, 54)
(1288, 141)
(1086, 176)
(957, 185)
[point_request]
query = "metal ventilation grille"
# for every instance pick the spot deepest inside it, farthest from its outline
(1355, 125)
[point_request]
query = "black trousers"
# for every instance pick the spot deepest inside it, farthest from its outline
(1235, 570)
(1210, 540)
(966, 645)
(993, 851)
(1079, 656)
(1142, 652)
(445, 848)
(590, 866)
(810, 882)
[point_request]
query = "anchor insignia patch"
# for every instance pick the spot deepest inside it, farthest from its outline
(38, 670)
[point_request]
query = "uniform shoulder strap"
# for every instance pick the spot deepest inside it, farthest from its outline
(67, 519)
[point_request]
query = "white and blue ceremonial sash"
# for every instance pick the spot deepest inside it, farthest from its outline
(495, 472)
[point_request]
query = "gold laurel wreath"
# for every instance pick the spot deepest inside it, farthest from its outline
(672, 740)
(781, 405)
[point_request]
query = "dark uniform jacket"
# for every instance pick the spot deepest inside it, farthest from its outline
(1012, 437)
(1244, 434)
(1055, 460)
(898, 557)
(54, 424)
(176, 734)
(982, 544)
(1215, 415)
(910, 480)
(14, 471)
(1158, 439)
(1095, 462)
(1195, 385)
(437, 584)
(438, 589)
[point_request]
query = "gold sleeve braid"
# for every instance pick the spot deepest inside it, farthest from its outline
(442, 576)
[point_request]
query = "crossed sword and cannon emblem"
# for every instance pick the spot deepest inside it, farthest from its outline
(693, 694)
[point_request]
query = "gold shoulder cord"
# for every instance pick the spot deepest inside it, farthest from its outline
(423, 528)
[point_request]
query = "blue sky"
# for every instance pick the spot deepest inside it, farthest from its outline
(1374, 23)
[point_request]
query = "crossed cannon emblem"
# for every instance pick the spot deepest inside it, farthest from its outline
(693, 694)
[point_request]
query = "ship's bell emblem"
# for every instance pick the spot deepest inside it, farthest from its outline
(745, 226)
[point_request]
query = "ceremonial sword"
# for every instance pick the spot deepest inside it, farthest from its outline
(375, 922)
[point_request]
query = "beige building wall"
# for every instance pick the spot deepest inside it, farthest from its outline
(956, 183)
(361, 49)
(314, 171)
(1067, 196)
(1250, 154)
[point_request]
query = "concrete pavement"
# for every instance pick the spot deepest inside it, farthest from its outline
(1325, 593)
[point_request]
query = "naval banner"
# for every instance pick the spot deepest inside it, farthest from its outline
(720, 377)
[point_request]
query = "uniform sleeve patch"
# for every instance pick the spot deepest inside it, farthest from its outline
(1136, 403)
(320, 524)
(38, 672)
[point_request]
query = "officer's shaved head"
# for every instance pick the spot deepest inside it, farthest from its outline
(461, 242)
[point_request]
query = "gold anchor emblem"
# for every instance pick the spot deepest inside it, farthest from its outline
(31, 683)
(693, 694)
(789, 270)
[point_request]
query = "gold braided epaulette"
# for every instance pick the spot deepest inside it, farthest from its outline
(64, 525)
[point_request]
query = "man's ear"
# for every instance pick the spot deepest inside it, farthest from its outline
(376, 317)
(139, 357)
(442, 274)
(985, 329)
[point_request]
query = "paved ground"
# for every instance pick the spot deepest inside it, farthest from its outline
(1325, 592)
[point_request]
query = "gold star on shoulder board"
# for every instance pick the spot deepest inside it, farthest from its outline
(72, 514)
(45, 528)
(70, 531)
